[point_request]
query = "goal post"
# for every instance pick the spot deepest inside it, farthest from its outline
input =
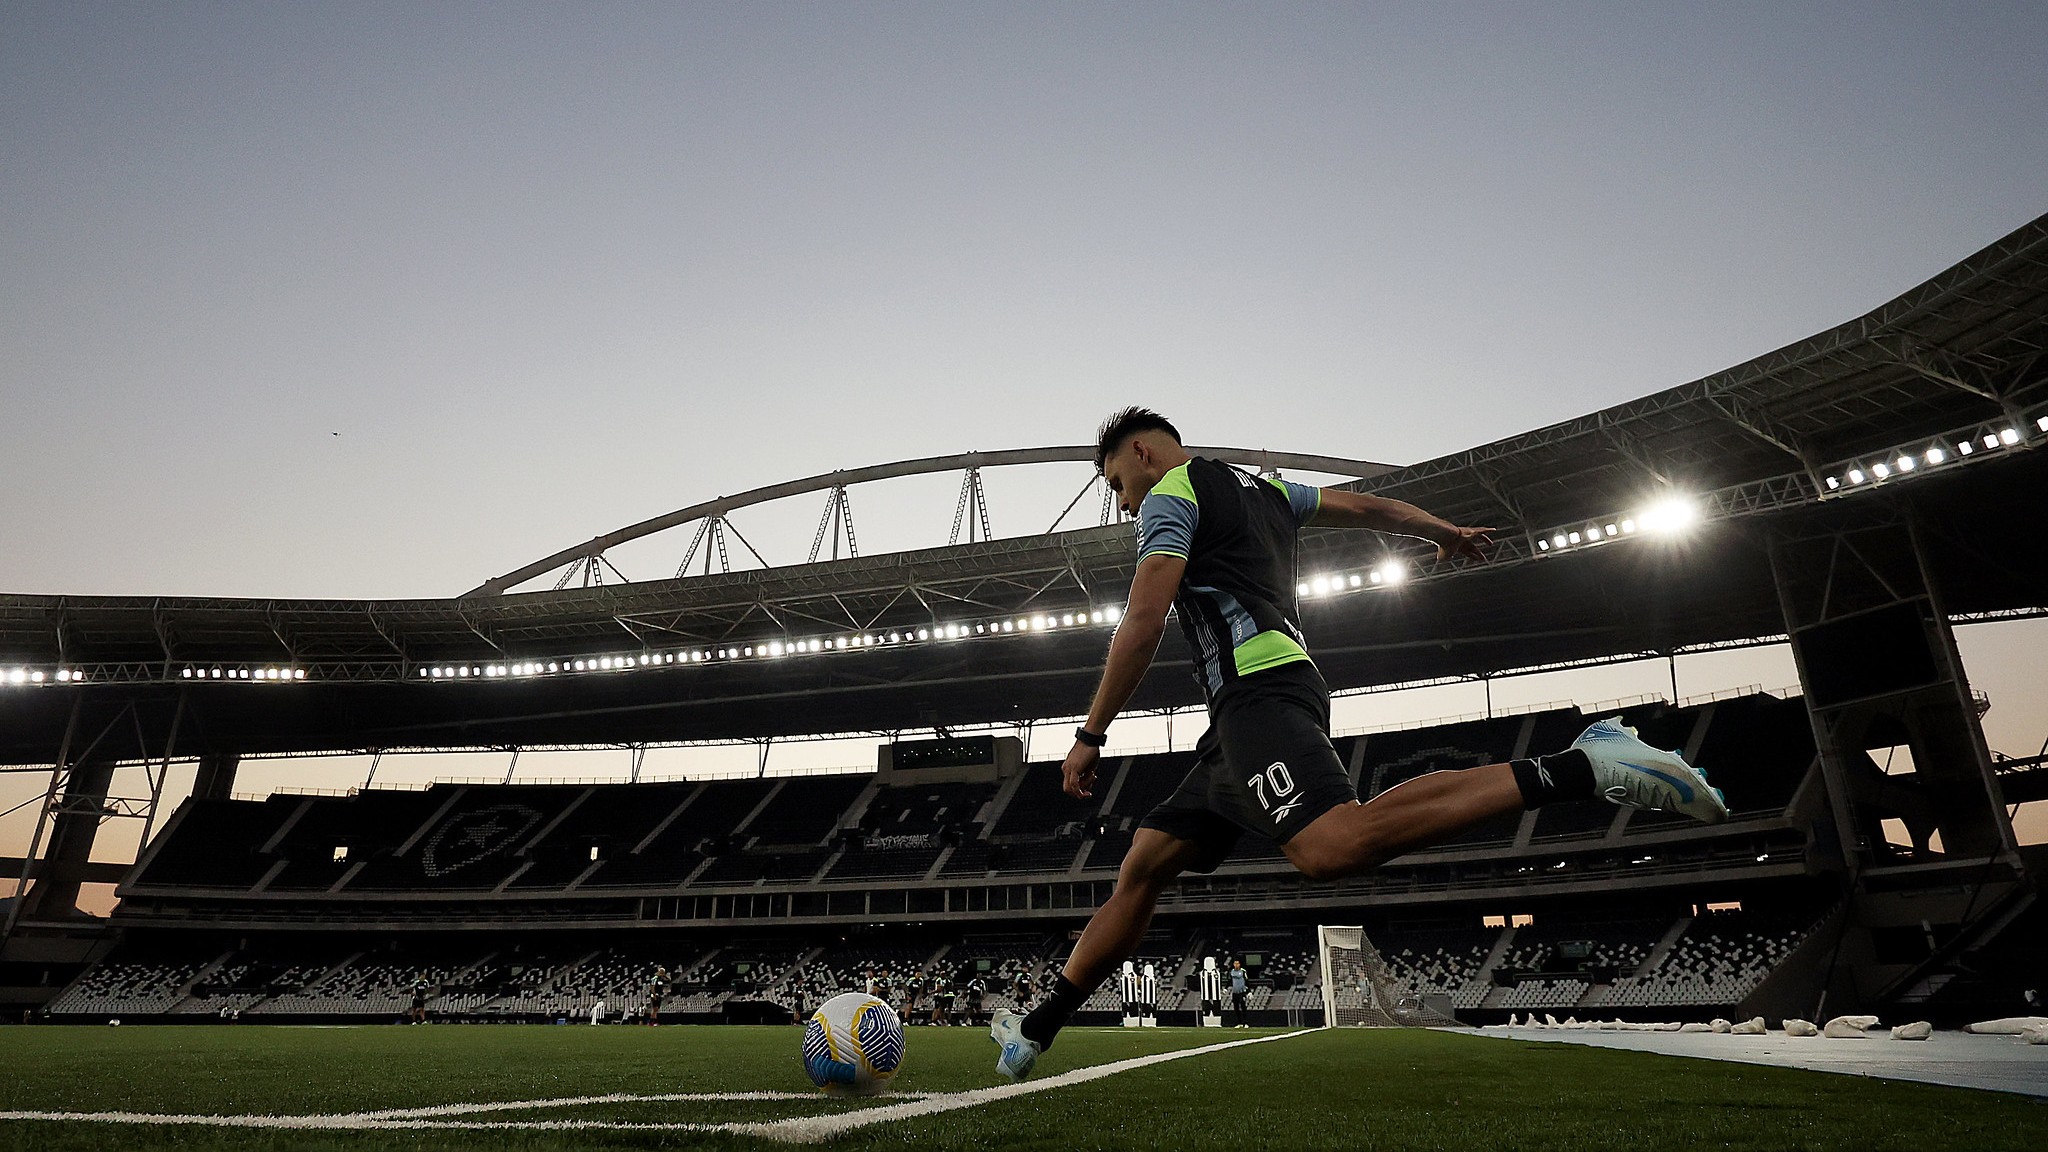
(1358, 991)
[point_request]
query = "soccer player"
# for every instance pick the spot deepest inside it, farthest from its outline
(1240, 987)
(655, 991)
(420, 991)
(1216, 543)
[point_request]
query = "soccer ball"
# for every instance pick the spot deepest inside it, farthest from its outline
(853, 1044)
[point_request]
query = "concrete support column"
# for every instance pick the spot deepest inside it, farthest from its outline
(216, 779)
(72, 832)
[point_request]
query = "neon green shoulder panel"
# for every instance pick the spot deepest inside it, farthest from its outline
(1176, 483)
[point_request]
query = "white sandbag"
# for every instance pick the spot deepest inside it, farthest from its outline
(1720, 1025)
(1695, 1027)
(1670, 1026)
(1512, 1022)
(1751, 1027)
(1549, 1021)
(2035, 1035)
(2007, 1026)
(1848, 1027)
(1801, 1028)
(1917, 1030)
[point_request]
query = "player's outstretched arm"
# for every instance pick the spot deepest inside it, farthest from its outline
(1345, 509)
(1130, 653)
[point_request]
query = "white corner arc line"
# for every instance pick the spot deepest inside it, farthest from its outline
(818, 1129)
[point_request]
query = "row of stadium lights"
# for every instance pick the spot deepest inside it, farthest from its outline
(1667, 517)
(773, 649)
(1933, 456)
(1386, 575)
(777, 649)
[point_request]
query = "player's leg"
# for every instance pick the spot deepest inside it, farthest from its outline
(1354, 838)
(1605, 761)
(1113, 933)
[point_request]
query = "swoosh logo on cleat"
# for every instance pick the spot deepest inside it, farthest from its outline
(1684, 788)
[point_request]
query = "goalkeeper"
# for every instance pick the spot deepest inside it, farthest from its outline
(1217, 544)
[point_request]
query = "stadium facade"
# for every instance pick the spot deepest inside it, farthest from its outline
(1858, 494)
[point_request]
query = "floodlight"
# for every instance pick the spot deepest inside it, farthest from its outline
(1991, 441)
(1301, 589)
(1613, 529)
(1936, 455)
(1628, 527)
(2009, 436)
(2042, 423)
(1906, 464)
(1575, 537)
(1833, 484)
(1543, 545)
(297, 674)
(924, 633)
(1067, 620)
(1379, 577)
(1353, 580)
(1114, 613)
(1559, 540)
(35, 677)
(1670, 514)
(1964, 448)
(1391, 572)
(187, 672)
(1880, 470)
(1320, 585)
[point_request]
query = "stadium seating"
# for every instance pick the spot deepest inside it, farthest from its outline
(737, 851)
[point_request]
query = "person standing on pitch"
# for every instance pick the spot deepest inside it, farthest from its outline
(1240, 987)
(1217, 544)
(655, 991)
(421, 990)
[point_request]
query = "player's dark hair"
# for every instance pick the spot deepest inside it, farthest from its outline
(1126, 423)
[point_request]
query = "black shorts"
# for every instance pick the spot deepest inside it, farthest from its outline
(1265, 765)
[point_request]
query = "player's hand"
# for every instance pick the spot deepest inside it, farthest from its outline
(1471, 543)
(1078, 773)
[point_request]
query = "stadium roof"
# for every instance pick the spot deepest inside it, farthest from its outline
(1804, 439)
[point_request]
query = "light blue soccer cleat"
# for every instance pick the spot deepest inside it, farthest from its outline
(1634, 775)
(1018, 1053)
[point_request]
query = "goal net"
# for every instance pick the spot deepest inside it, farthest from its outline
(1358, 991)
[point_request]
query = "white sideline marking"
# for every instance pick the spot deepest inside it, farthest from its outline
(817, 1129)
(796, 1130)
(578, 1101)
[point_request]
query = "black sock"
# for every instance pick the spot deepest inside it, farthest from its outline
(1052, 1013)
(1566, 775)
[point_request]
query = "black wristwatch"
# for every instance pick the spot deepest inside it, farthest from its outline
(1091, 739)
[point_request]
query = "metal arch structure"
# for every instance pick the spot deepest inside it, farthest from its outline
(835, 483)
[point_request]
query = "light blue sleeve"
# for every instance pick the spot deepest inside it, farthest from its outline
(1166, 526)
(1304, 499)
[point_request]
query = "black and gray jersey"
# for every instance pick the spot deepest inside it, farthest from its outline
(1236, 601)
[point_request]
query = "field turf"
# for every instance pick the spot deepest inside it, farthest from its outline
(1351, 1089)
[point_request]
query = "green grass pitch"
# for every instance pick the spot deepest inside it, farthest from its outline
(1351, 1089)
